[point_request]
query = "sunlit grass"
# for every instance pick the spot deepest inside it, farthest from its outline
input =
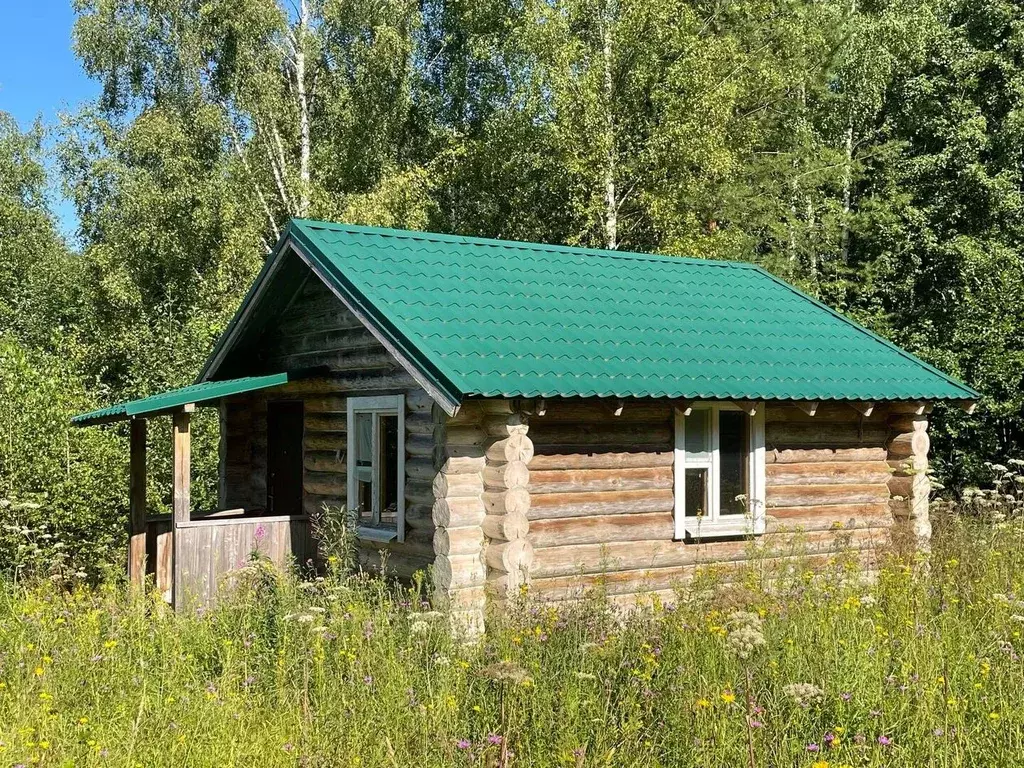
(919, 666)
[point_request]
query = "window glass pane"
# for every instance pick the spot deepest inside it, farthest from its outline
(696, 493)
(697, 440)
(364, 466)
(389, 470)
(733, 446)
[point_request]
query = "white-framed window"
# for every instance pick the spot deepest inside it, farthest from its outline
(719, 471)
(376, 465)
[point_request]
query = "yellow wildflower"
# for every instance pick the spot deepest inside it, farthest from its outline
(728, 697)
(39, 671)
(703, 703)
(820, 764)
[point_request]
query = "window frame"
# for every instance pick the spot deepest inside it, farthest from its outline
(713, 525)
(377, 406)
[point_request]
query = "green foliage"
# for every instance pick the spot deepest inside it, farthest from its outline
(920, 667)
(62, 490)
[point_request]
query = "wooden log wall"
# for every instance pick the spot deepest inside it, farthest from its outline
(458, 514)
(317, 330)
(909, 485)
(600, 502)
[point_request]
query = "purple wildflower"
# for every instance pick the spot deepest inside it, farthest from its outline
(368, 679)
(884, 741)
(494, 739)
(938, 732)
(756, 724)
(845, 696)
(463, 744)
(812, 747)
(260, 534)
(829, 738)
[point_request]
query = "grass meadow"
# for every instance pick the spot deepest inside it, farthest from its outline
(919, 666)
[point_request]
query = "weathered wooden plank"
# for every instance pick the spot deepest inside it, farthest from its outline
(544, 506)
(597, 529)
(618, 460)
(810, 455)
(608, 433)
(582, 480)
(827, 473)
(819, 495)
(814, 434)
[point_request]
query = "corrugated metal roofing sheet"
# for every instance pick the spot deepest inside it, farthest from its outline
(165, 401)
(500, 318)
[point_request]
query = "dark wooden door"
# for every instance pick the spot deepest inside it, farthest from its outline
(284, 458)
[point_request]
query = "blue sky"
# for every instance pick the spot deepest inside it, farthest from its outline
(39, 74)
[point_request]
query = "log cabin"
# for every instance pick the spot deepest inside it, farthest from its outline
(506, 414)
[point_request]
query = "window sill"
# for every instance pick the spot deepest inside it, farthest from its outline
(723, 528)
(376, 534)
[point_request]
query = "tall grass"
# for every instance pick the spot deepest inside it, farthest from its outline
(921, 666)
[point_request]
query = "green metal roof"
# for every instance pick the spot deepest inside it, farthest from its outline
(175, 398)
(499, 318)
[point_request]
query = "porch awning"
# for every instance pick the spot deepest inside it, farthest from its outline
(165, 402)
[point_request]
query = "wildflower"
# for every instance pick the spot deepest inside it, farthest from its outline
(703, 703)
(804, 694)
(755, 723)
(506, 671)
(110, 644)
(884, 741)
(812, 747)
(463, 744)
(728, 697)
(993, 716)
(845, 696)
(820, 764)
(368, 680)
(744, 634)
(494, 739)
(938, 733)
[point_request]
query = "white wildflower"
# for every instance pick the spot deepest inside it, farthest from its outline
(804, 694)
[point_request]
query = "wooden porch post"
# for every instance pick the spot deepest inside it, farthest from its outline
(137, 504)
(182, 481)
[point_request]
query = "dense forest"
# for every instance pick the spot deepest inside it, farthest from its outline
(870, 151)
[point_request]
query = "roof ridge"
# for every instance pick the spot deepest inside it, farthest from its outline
(438, 237)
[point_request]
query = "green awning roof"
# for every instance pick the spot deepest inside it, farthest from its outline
(175, 398)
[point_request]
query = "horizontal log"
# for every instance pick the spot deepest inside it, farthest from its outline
(420, 424)
(619, 479)
(401, 566)
(597, 529)
(337, 360)
(833, 513)
(826, 413)
(324, 484)
(566, 505)
(625, 435)
(827, 472)
(419, 491)
(506, 527)
(515, 447)
(325, 461)
(349, 384)
(514, 474)
(514, 500)
(457, 485)
(641, 555)
(792, 435)
(463, 465)
(325, 422)
(458, 541)
(510, 556)
(909, 444)
(419, 515)
(420, 468)
(615, 460)
(458, 571)
(418, 401)
(324, 404)
(420, 445)
(811, 455)
(504, 425)
(324, 442)
(457, 512)
(914, 486)
(467, 436)
(576, 411)
(820, 495)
